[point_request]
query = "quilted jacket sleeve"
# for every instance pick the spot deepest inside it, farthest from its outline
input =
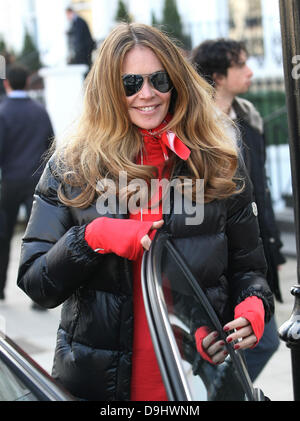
(55, 258)
(247, 265)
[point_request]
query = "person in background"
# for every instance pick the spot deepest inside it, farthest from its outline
(81, 43)
(223, 63)
(148, 114)
(6, 60)
(25, 135)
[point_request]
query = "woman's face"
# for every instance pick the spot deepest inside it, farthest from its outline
(148, 107)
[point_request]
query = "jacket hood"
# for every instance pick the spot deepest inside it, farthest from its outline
(246, 110)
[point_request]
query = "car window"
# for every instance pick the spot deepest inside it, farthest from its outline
(22, 379)
(11, 388)
(183, 308)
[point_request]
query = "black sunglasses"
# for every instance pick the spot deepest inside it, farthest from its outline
(159, 80)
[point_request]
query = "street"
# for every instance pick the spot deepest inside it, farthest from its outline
(35, 331)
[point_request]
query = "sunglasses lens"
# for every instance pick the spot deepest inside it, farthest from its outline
(132, 84)
(161, 82)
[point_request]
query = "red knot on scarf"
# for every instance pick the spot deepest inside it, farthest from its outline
(167, 140)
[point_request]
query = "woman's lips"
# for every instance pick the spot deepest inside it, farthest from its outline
(147, 110)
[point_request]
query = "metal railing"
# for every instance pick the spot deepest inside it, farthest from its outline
(269, 97)
(278, 166)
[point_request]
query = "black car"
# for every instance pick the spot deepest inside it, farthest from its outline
(22, 379)
(173, 299)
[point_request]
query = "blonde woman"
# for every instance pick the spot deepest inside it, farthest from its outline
(147, 115)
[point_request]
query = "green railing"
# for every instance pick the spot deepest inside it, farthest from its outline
(272, 106)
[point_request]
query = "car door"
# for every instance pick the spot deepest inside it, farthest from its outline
(22, 379)
(175, 306)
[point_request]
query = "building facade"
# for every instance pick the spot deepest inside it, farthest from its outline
(256, 21)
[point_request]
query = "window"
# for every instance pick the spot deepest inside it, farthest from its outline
(246, 25)
(176, 306)
(21, 379)
(12, 388)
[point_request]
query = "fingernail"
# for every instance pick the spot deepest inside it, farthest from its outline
(229, 340)
(236, 346)
(225, 328)
(225, 353)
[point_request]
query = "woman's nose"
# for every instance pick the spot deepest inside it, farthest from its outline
(147, 90)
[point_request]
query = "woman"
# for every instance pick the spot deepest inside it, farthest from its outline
(147, 114)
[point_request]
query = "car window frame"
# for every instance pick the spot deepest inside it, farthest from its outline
(28, 372)
(163, 339)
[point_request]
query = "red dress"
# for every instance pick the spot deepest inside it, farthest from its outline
(146, 381)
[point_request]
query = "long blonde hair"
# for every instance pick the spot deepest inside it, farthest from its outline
(106, 141)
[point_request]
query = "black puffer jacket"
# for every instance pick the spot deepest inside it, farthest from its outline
(94, 342)
(252, 135)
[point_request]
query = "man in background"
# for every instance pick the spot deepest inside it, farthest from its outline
(25, 135)
(81, 43)
(223, 63)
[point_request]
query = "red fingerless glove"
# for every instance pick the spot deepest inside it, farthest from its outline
(252, 309)
(200, 334)
(119, 236)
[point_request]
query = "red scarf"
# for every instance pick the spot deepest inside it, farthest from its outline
(167, 139)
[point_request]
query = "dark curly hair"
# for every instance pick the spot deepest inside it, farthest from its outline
(216, 56)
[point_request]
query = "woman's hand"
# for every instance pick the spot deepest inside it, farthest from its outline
(124, 237)
(243, 332)
(247, 327)
(214, 349)
(146, 240)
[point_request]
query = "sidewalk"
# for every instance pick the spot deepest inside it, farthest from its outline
(35, 331)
